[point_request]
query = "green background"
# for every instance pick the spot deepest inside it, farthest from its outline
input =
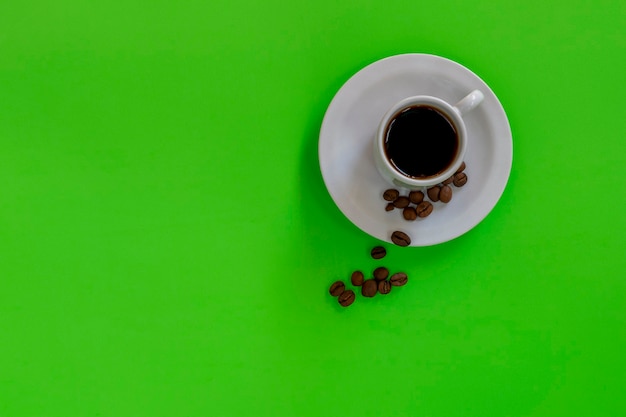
(167, 242)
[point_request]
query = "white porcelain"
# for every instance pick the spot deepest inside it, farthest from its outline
(453, 113)
(351, 121)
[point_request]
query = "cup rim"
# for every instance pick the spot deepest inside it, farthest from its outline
(449, 111)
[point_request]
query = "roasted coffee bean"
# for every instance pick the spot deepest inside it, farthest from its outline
(384, 287)
(416, 197)
(357, 278)
(391, 194)
(461, 168)
(398, 279)
(381, 273)
(460, 179)
(378, 252)
(424, 209)
(400, 238)
(369, 288)
(409, 213)
(346, 298)
(389, 207)
(449, 180)
(337, 288)
(433, 193)
(401, 202)
(445, 195)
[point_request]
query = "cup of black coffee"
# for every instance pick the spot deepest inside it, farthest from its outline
(421, 140)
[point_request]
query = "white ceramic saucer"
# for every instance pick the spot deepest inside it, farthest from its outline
(346, 149)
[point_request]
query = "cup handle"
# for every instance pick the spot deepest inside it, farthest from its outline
(469, 102)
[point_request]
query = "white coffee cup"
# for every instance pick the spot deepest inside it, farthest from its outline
(454, 115)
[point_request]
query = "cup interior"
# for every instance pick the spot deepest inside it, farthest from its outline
(421, 141)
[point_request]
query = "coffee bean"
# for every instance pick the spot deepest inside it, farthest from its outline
(433, 193)
(384, 287)
(461, 168)
(378, 252)
(357, 278)
(369, 288)
(416, 197)
(445, 195)
(409, 213)
(391, 194)
(400, 238)
(401, 202)
(398, 279)
(381, 273)
(460, 179)
(337, 288)
(424, 209)
(346, 298)
(449, 180)
(389, 207)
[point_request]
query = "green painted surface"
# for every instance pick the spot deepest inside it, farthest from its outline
(166, 240)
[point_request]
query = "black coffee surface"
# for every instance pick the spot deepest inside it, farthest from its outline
(421, 142)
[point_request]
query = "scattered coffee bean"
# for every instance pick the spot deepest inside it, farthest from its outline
(381, 281)
(337, 288)
(401, 202)
(384, 287)
(400, 238)
(346, 298)
(369, 288)
(381, 273)
(460, 179)
(409, 213)
(445, 195)
(391, 194)
(414, 205)
(398, 279)
(416, 197)
(424, 209)
(357, 278)
(378, 252)
(433, 193)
